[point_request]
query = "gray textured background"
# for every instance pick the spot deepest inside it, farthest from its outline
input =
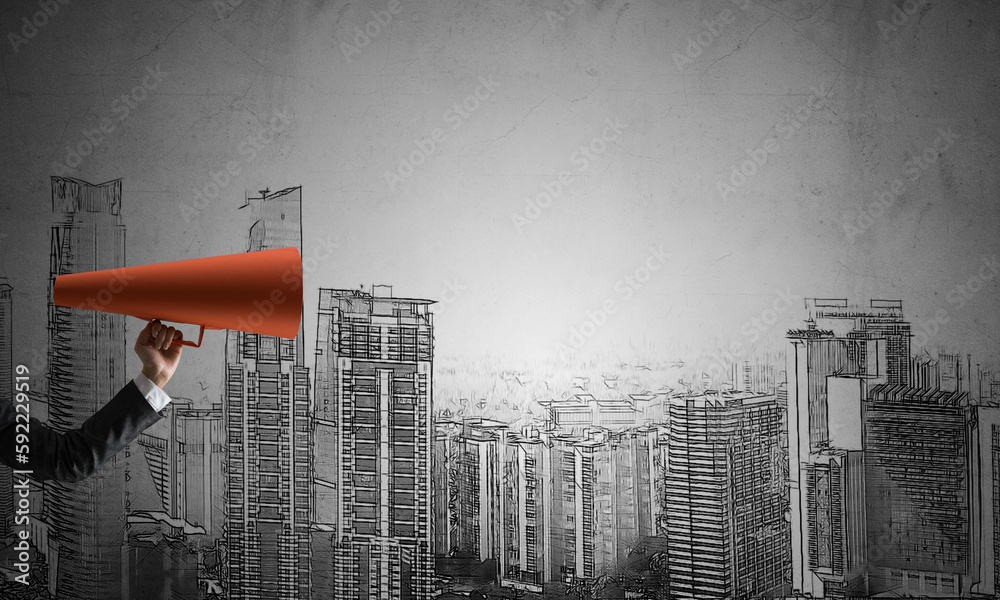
(354, 118)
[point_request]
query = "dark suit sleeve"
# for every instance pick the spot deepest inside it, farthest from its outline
(78, 453)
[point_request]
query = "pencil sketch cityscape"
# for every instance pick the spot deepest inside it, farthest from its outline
(843, 467)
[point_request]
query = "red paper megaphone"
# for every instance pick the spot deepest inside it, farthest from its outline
(255, 292)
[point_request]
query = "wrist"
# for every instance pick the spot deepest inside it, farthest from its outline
(158, 378)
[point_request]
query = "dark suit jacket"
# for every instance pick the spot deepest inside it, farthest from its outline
(79, 453)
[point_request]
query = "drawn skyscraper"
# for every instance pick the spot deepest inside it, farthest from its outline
(843, 352)
(577, 496)
(86, 369)
(601, 504)
(444, 486)
(170, 529)
(373, 446)
(525, 537)
(475, 488)
(266, 412)
(985, 480)
(186, 465)
(922, 504)
(6, 396)
(726, 533)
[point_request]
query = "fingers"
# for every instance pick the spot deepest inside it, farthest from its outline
(176, 348)
(172, 334)
(159, 335)
(148, 335)
(164, 337)
(145, 334)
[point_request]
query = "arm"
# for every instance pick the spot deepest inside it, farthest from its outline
(79, 453)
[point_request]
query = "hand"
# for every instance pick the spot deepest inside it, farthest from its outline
(159, 357)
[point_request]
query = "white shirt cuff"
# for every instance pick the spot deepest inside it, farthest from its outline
(156, 397)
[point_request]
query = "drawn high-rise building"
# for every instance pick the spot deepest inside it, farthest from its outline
(832, 363)
(724, 488)
(169, 531)
(372, 488)
(201, 436)
(601, 502)
(988, 580)
(579, 495)
(570, 507)
(444, 485)
(476, 489)
(931, 497)
(524, 537)
(86, 359)
(577, 413)
(266, 414)
(186, 466)
(6, 396)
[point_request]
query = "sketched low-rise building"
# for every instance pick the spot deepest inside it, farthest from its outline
(582, 411)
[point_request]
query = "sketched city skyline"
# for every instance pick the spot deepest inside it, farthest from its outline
(845, 466)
